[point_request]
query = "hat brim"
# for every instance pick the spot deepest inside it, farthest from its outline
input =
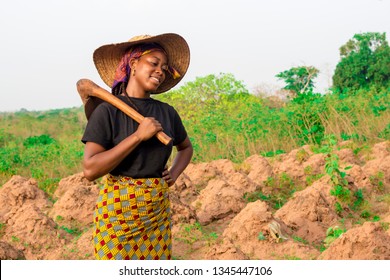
(107, 57)
(90, 105)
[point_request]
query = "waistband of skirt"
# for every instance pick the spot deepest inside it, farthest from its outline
(129, 181)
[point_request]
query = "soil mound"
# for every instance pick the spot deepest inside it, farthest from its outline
(8, 252)
(251, 231)
(310, 212)
(20, 192)
(367, 242)
(76, 201)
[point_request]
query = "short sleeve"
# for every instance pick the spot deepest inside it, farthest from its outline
(99, 128)
(179, 130)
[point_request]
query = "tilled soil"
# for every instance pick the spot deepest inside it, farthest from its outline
(263, 208)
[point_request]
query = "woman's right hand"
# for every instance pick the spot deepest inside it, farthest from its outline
(98, 161)
(148, 128)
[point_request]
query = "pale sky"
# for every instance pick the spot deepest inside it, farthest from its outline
(47, 45)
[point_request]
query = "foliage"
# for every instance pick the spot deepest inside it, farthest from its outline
(304, 117)
(191, 233)
(73, 231)
(219, 111)
(281, 188)
(2, 229)
(359, 199)
(223, 120)
(377, 181)
(42, 145)
(239, 125)
(299, 79)
(339, 183)
(33, 141)
(332, 234)
(337, 177)
(300, 239)
(365, 62)
(261, 236)
(205, 90)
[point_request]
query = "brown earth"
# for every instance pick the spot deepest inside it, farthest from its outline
(263, 208)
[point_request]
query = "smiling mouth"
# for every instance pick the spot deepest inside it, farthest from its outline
(155, 79)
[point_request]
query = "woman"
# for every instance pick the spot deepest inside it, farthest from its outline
(132, 216)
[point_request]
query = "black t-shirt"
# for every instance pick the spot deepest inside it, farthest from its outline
(108, 126)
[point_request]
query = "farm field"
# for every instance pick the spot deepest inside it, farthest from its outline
(264, 208)
(270, 179)
(281, 175)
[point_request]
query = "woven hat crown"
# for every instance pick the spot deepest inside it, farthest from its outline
(139, 37)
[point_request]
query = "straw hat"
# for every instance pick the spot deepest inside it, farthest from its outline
(107, 57)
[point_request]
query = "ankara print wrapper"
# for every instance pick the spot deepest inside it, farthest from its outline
(133, 220)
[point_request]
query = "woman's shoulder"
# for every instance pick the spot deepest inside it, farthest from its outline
(163, 104)
(166, 107)
(105, 107)
(108, 106)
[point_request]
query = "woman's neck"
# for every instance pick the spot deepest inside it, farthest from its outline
(137, 94)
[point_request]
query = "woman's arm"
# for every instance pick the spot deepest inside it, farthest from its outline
(98, 161)
(181, 161)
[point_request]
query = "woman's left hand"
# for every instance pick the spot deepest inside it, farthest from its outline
(166, 175)
(182, 159)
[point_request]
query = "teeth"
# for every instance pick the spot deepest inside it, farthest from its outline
(156, 79)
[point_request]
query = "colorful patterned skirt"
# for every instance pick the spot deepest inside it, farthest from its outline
(133, 220)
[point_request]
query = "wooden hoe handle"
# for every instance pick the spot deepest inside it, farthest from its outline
(87, 88)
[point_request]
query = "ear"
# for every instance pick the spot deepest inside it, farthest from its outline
(133, 63)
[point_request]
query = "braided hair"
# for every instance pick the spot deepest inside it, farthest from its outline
(120, 89)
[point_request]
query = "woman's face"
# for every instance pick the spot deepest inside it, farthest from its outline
(150, 70)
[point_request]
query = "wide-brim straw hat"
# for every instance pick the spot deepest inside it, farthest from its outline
(107, 57)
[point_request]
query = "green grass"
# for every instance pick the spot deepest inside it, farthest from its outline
(223, 120)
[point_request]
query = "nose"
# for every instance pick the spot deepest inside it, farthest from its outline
(160, 70)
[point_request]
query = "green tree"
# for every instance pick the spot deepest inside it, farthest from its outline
(211, 86)
(365, 61)
(299, 80)
(204, 91)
